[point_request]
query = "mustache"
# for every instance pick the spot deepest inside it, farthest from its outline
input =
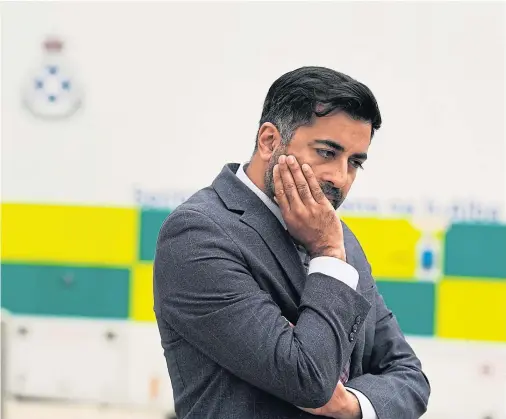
(332, 192)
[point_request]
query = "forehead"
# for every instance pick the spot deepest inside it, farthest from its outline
(352, 134)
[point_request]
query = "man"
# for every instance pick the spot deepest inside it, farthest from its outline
(264, 300)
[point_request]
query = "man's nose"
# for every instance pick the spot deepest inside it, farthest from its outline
(339, 174)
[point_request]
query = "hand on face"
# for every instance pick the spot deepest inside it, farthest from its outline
(308, 214)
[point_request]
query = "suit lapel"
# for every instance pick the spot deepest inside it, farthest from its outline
(279, 242)
(239, 198)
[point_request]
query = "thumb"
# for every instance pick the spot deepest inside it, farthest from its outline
(340, 387)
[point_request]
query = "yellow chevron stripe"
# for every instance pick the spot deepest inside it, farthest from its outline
(389, 244)
(141, 293)
(69, 234)
(473, 308)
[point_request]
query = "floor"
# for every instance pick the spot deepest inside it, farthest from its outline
(45, 410)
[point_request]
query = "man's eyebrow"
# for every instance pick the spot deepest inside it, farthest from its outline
(336, 146)
(331, 143)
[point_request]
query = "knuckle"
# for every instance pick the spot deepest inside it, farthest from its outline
(319, 195)
(315, 209)
(289, 187)
(303, 189)
(314, 213)
(297, 212)
(332, 217)
(279, 193)
(328, 219)
(330, 212)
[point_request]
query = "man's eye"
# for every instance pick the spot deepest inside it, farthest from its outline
(326, 154)
(356, 164)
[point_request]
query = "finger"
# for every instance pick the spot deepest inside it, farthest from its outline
(314, 186)
(340, 388)
(289, 184)
(300, 181)
(279, 190)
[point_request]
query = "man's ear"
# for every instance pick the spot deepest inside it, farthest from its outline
(268, 140)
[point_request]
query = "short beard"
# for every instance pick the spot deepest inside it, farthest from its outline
(269, 175)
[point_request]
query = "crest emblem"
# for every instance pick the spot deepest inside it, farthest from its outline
(51, 91)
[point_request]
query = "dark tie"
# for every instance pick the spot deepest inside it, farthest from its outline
(304, 255)
(305, 258)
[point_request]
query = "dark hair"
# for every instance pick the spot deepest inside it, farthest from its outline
(297, 97)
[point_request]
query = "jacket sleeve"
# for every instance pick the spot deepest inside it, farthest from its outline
(204, 290)
(395, 384)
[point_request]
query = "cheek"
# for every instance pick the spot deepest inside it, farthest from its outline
(351, 178)
(320, 167)
(319, 174)
(302, 154)
(352, 174)
(346, 189)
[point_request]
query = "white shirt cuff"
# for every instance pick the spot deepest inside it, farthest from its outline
(368, 411)
(335, 268)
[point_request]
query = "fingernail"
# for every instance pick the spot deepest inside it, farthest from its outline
(282, 159)
(291, 159)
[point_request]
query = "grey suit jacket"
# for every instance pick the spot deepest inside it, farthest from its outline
(225, 274)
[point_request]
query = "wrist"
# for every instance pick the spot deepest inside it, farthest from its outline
(334, 252)
(354, 409)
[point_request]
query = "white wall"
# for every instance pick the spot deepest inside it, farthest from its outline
(174, 90)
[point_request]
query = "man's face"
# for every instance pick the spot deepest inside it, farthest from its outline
(334, 146)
